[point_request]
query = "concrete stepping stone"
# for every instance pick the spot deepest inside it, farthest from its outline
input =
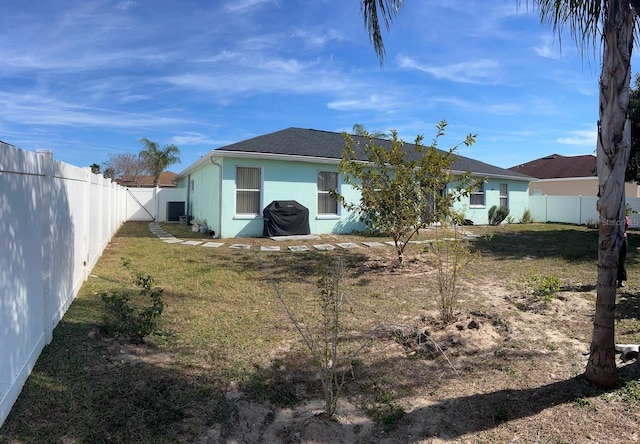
(213, 244)
(173, 241)
(348, 245)
(192, 243)
(324, 247)
(240, 247)
(297, 248)
(374, 244)
(269, 248)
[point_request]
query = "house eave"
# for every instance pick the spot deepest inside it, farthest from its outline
(274, 156)
(496, 176)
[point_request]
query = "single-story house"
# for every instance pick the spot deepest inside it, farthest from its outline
(557, 175)
(230, 186)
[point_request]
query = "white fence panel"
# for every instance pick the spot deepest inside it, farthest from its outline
(148, 204)
(577, 210)
(55, 220)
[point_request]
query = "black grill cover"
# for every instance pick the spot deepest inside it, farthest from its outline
(285, 218)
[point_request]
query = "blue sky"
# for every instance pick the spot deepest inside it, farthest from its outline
(89, 78)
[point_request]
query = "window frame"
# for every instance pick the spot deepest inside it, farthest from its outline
(504, 196)
(479, 193)
(320, 192)
(259, 190)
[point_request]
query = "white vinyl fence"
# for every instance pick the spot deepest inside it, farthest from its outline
(578, 210)
(55, 221)
(148, 204)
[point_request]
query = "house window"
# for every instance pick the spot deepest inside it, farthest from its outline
(248, 190)
(327, 181)
(477, 197)
(504, 195)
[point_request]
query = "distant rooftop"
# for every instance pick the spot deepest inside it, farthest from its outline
(556, 166)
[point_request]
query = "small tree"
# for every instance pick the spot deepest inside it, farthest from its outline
(126, 167)
(452, 255)
(323, 331)
(403, 188)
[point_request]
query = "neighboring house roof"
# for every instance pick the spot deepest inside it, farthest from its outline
(325, 146)
(166, 180)
(556, 166)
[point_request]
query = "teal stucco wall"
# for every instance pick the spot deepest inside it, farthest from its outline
(283, 180)
(213, 196)
(517, 197)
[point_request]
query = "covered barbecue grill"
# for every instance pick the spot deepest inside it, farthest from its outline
(285, 218)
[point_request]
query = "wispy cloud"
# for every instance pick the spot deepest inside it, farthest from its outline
(547, 48)
(585, 138)
(244, 5)
(483, 71)
(373, 103)
(192, 138)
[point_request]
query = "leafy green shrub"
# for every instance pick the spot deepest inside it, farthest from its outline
(497, 214)
(127, 315)
(544, 286)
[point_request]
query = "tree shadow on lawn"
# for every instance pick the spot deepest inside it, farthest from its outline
(570, 245)
(286, 266)
(628, 306)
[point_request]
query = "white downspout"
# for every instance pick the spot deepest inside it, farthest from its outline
(214, 162)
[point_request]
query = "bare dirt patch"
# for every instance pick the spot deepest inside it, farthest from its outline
(505, 372)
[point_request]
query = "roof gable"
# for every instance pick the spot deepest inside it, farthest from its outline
(330, 145)
(556, 166)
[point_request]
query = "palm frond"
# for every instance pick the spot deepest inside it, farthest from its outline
(372, 12)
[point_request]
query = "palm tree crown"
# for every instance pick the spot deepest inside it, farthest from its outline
(159, 159)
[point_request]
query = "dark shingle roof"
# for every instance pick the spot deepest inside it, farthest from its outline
(330, 145)
(556, 166)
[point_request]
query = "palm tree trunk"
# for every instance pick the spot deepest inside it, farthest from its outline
(614, 143)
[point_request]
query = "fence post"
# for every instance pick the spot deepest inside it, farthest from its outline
(46, 163)
(579, 210)
(86, 221)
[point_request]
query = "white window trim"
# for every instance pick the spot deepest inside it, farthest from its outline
(506, 196)
(484, 198)
(248, 216)
(328, 216)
